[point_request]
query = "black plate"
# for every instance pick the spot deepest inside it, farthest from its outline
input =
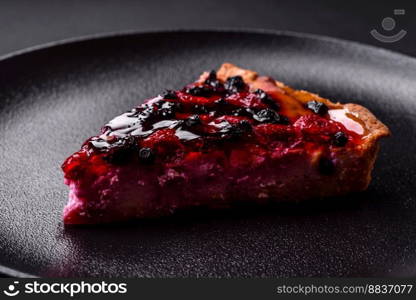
(53, 98)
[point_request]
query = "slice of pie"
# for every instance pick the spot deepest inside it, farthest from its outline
(230, 137)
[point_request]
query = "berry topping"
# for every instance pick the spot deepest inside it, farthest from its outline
(202, 116)
(235, 84)
(317, 107)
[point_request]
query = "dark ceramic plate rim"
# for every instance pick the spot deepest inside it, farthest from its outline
(108, 35)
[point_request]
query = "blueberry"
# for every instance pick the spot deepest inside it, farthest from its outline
(237, 130)
(192, 121)
(266, 116)
(121, 151)
(266, 99)
(217, 86)
(212, 75)
(260, 93)
(242, 112)
(146, 114)
(178, 106)
(317, 107)
(270, 116)
(200, 91)
(200, 109)
(167, 110)
(235, 84)
(340, 139)
(118, 156)
(214, 83)
(326, 166)
(245, 125)
(146, 155)
(169, 94)
(220, 101)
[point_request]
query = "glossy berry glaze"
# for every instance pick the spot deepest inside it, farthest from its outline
(212, 127)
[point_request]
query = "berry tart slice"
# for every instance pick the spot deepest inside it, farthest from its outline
(232, 136)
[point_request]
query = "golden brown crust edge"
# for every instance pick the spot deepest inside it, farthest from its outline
(376, 128)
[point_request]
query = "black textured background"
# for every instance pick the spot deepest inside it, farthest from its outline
(28, 23)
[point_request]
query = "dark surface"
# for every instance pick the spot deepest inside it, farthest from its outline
(26, 23)
(53, 99)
